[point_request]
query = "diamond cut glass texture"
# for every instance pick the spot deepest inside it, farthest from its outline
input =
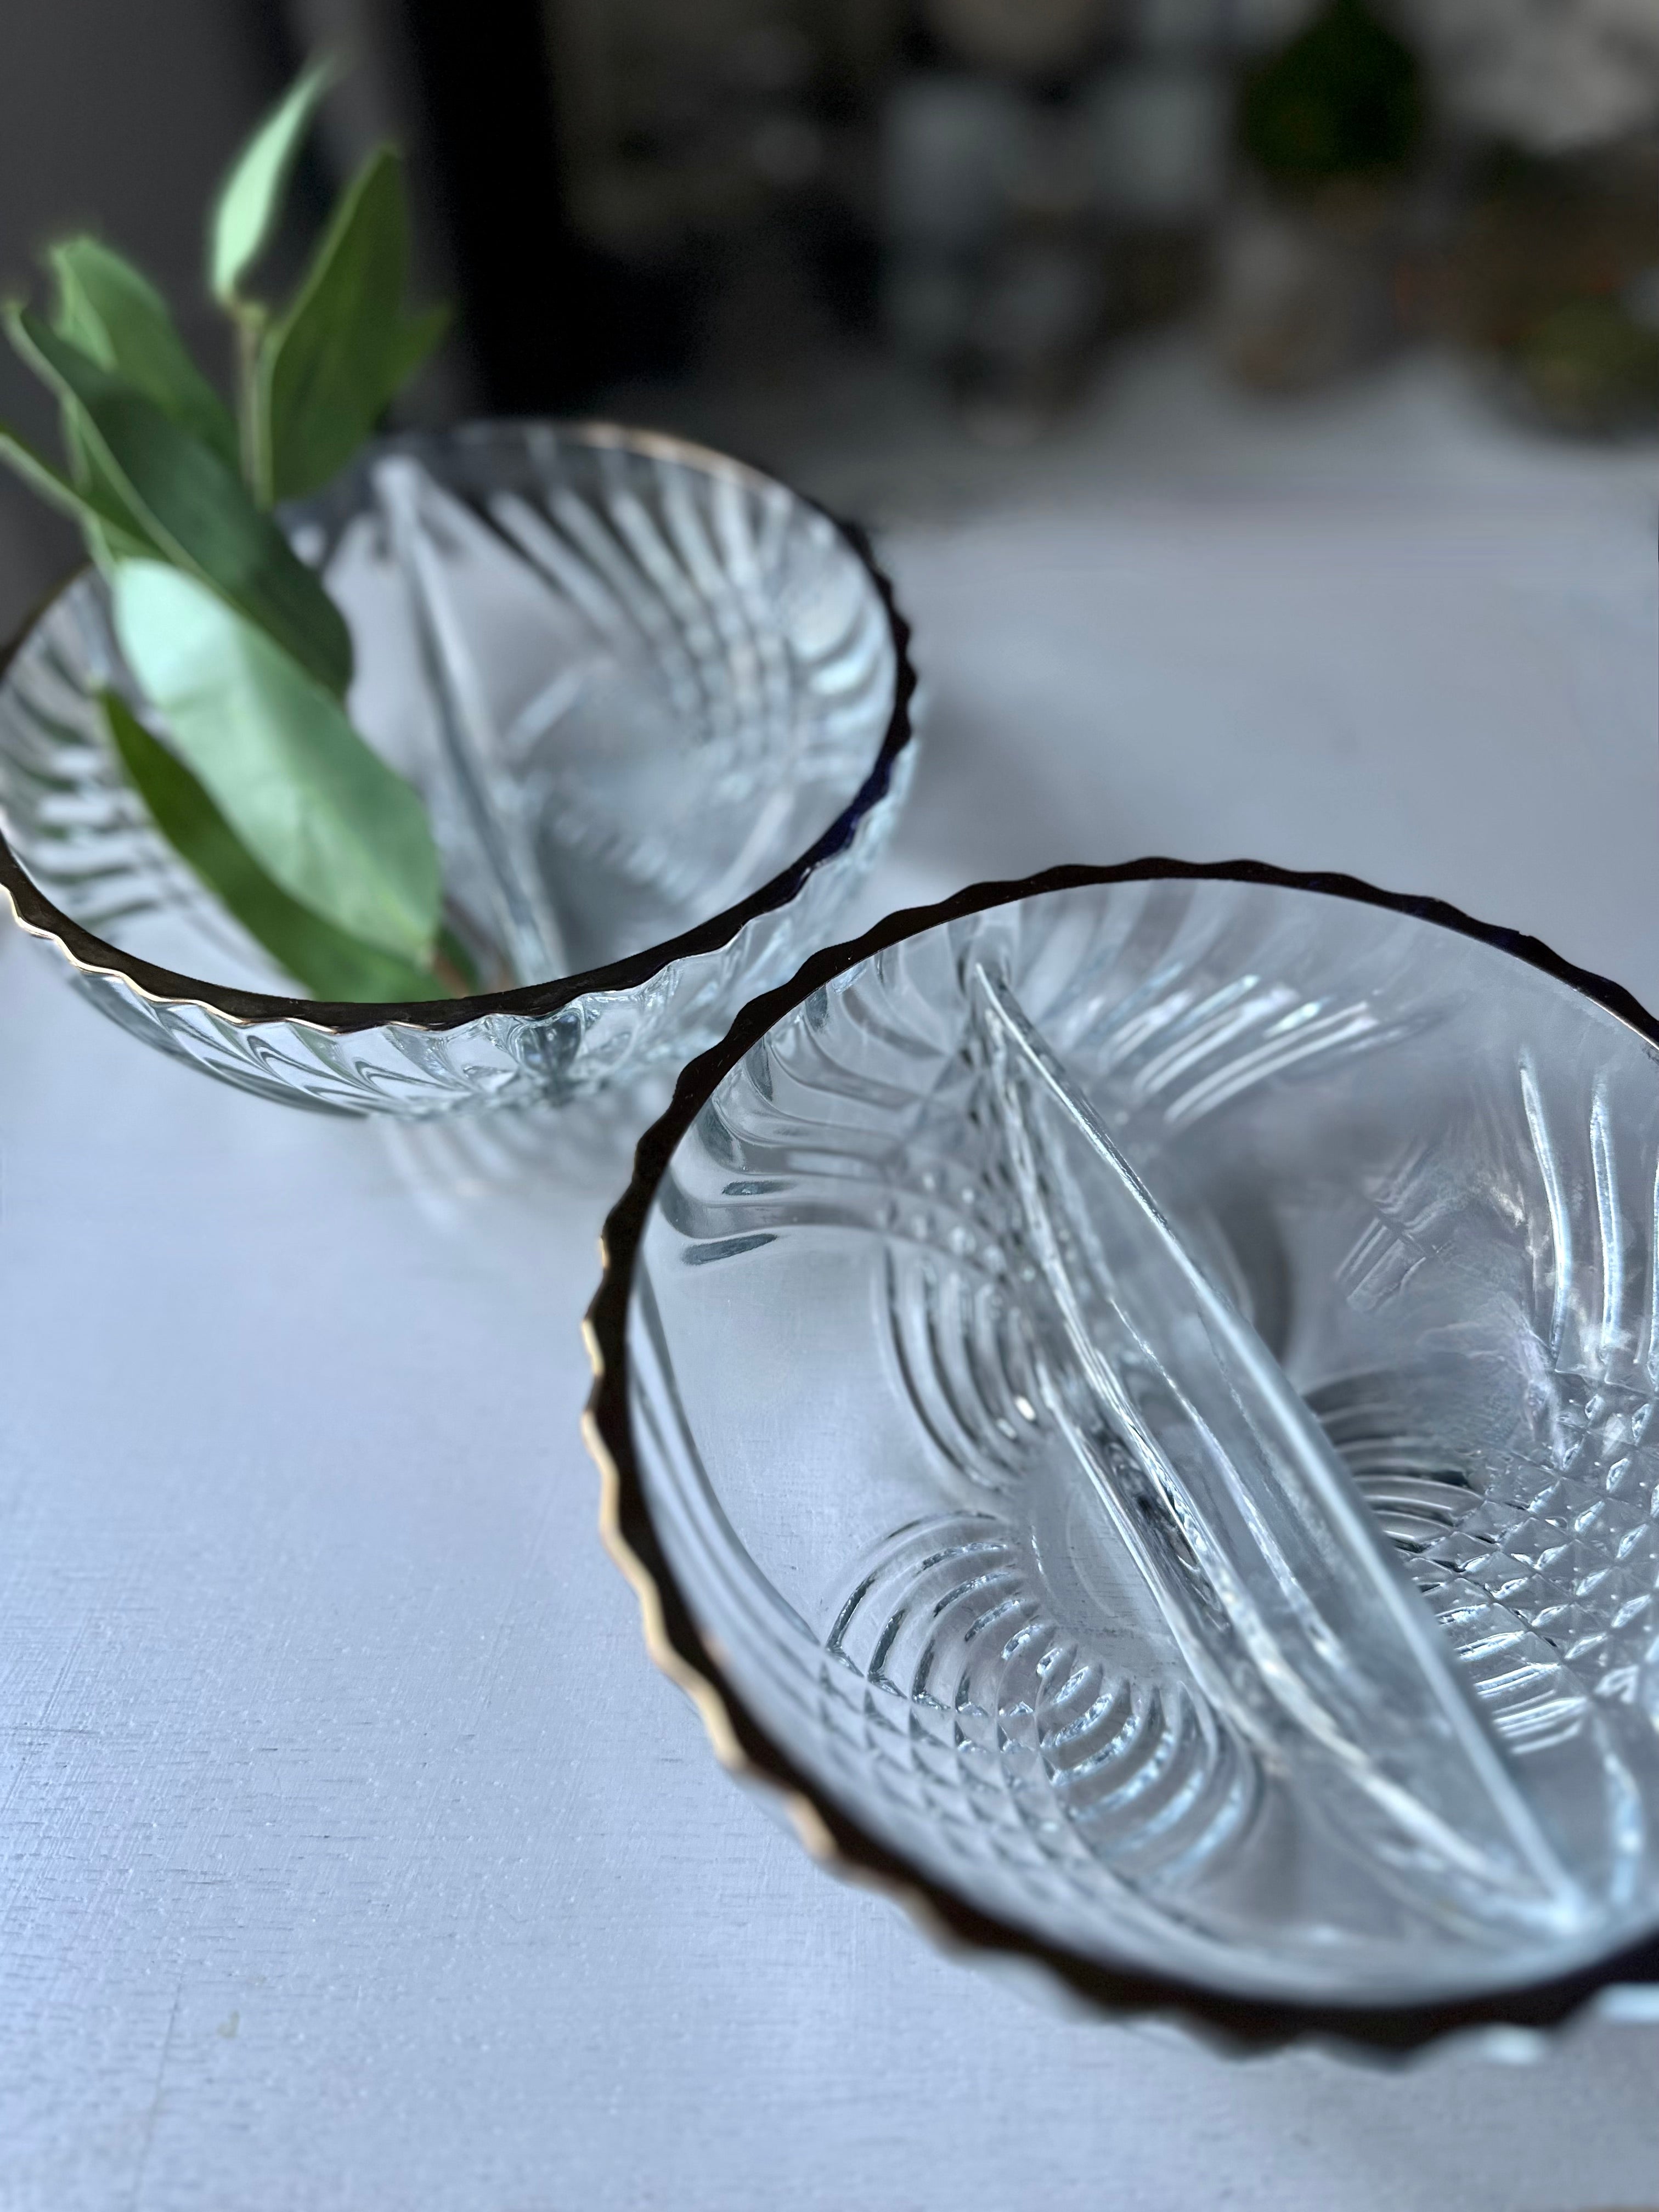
(657, 706)
(1146, 1388)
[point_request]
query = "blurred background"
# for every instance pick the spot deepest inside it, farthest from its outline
(1259, 401)
(868, 241)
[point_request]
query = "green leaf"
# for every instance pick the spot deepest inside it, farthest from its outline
(251, 198)
(327, 961)
(116, 316)
(113, 532)
(456, 956)
(106, 541)
(415, 341)
(82, 504)
(320, 810)
(182, 498)
(329, 367)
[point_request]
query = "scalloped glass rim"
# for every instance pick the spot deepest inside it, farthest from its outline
(41, 918)
(1627, 1977)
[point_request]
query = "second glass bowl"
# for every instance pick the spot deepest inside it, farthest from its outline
(1130, 1396)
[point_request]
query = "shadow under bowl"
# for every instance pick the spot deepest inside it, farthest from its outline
(659, 707)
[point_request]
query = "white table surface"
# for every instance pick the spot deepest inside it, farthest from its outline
(351, 1853)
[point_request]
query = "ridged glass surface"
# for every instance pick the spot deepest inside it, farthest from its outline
(1147, 1390)
(635, 683)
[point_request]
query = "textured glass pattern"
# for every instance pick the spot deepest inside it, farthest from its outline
(1146, 1389)
(647, 694)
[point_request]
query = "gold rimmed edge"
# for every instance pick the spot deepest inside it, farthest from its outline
(1234, 2026)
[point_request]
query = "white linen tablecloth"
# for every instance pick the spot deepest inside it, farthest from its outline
(352, 1856)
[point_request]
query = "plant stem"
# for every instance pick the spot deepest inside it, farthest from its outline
(249, 411)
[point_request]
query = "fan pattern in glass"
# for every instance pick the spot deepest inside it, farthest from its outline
(640, 686)
(1148, 1389)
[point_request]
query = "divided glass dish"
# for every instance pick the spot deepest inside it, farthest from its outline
(1130, 1397)
(659, 708)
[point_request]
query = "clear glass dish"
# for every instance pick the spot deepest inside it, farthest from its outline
(659, 707)
(1130, 1396)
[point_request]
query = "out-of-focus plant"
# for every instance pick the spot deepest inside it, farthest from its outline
(1330, 129)
(1554, 278)
(1344, 98)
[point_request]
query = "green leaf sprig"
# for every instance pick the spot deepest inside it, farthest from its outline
(254, 774)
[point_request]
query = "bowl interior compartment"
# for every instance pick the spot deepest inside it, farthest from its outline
(1386, 1741)
(633, 681)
